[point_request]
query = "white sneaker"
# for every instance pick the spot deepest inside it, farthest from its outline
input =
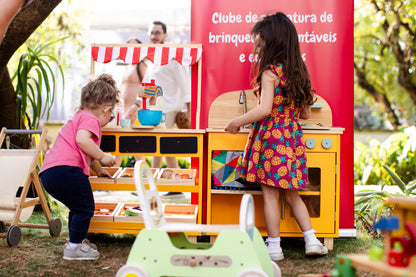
(315, 247)
(276, 254)
(83, 251)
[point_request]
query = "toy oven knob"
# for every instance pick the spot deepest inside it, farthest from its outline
(326, 143)
(310, 143)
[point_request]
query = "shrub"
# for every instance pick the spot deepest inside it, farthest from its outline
(397, 152)
(388, 163)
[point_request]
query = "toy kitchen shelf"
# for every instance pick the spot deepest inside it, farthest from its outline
(150, 142)
(321, 195)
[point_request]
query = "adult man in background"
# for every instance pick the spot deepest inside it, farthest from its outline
(175, 81)
(130, 85)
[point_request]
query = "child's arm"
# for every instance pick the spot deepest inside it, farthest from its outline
(306, 112)
(268, 84)
(99, 170)
(85, 142)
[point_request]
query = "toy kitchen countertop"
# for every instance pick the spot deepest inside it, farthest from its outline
(317, 138)
(305, 129)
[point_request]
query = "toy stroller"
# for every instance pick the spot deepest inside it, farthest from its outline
(163, 249)
(18, 169)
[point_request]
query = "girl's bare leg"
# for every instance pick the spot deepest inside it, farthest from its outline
(271, 196)
(299, 209)
(313, 246)
(271, 210)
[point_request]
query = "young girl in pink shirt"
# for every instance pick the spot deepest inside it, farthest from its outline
(65, 170)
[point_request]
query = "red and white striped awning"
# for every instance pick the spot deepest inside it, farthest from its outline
(159, 55)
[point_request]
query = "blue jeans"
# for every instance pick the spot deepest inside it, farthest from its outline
(71, 186)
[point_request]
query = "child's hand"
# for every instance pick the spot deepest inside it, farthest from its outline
(232, 127)
(305, 113)
(103, 173)
(108, 160)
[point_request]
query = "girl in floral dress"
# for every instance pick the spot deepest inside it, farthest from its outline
(275, 154)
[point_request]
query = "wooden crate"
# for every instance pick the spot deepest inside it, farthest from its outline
(180, 213)
(126, 176)
(114, 171)
(121, 216)
(100, 213)
(180, 173)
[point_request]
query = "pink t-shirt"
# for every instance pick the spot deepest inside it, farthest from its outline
(65, 150)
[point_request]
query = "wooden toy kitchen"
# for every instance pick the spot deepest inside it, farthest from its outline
(218, 203)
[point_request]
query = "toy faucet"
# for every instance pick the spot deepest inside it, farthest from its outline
(150, 90)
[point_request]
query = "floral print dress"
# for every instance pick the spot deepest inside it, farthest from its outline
(275, 150)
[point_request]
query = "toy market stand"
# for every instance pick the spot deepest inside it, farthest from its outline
(147, 140)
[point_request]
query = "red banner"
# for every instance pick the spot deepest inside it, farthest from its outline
(325, 30)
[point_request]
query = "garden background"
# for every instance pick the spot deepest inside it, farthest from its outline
(384, 83)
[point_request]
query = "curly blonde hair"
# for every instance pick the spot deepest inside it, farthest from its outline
(101, 90)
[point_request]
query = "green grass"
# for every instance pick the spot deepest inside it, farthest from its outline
(39, 254)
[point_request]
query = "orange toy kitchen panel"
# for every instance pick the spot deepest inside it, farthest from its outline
(226, 207)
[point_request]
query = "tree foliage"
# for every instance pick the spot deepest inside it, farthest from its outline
(38, 65)
(38, 23)
(384, 59)
(64, 21)
(20, 28)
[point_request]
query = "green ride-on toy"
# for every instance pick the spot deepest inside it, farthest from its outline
(163, 249)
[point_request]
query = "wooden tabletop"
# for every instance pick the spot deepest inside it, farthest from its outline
(360, 261)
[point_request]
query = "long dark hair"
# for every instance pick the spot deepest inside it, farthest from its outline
(279, 44)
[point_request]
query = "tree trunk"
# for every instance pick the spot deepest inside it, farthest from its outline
(396, 36)
(26, 21)
(8, 100)
(377, 95)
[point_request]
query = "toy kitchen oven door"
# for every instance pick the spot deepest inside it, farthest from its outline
(321, 195)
